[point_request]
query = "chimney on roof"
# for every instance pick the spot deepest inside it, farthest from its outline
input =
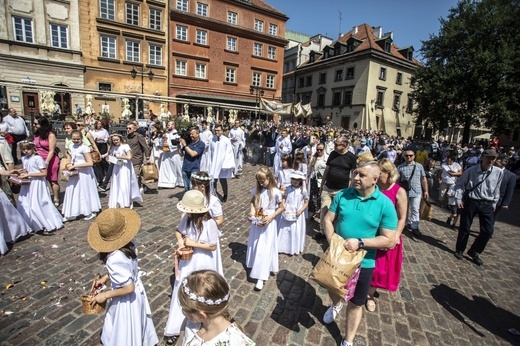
(378, 32)
(389, 34)
(354, 30)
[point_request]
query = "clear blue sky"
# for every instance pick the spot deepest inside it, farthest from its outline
(412, 21)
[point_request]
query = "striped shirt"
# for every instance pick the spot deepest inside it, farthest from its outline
(488, 190)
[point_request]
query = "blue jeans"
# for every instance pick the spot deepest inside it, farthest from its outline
(186, 178)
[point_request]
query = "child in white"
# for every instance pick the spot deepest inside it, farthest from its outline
(199, 231)
(34, 201)
(291, 234)
(81, 197)
(12, 224)
(262, 244)
(124, 189)
(128, 319)
(284, 178)
(452, 206)
(202, 181)
(204, 297)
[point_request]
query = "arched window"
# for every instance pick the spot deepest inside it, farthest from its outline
(63, 100)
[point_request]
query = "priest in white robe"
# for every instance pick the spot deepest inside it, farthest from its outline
(283, 146)
(222, 161)
(170, 168)
(238, 139)
(206, 136)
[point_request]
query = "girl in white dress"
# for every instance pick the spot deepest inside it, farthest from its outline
(81, 197)
(128, 319)
(12, 224)
(124, 190)
(262, 245)
(284, 179)
(291, 234)
(202, 181)
(200, 232)
(156, 140)
(34, 201)
(204, 298)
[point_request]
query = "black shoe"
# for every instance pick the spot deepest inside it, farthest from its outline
(458, 255)
(224, 199)
(475, 257)
(448, 221)
(319, 236)
(416, 232)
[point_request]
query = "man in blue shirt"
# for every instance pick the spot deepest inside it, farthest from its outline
(367, 219)
(192, 154)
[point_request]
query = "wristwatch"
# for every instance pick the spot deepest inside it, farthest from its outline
(361, 244)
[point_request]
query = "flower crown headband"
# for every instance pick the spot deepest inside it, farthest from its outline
(199, 177)
(201, 299)
(25, 141)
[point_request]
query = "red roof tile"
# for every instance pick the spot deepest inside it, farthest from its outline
(265, 6)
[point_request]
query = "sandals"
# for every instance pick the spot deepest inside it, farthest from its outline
(56, 203)
(370, 304)
(171, 340)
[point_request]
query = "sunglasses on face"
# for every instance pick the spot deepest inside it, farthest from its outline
(408, 156)
(319, 149)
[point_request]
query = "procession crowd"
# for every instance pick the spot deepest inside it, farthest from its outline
(362, 185)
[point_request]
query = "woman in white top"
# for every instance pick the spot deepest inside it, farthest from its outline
(100, 136)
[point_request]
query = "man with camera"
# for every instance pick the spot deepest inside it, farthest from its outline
(192, 153)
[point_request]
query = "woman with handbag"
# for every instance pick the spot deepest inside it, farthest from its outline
(45, 141)
(100, 136)
(387, 272)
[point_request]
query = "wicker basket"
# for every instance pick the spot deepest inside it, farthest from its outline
(86, 299)
(88, 309)
(185, 253)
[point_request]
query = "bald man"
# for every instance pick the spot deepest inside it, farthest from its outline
(366, 219)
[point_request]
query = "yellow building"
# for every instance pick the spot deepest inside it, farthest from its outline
(118, 37)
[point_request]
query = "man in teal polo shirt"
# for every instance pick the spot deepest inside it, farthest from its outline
(365, 219)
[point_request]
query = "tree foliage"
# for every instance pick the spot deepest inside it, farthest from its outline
(470, 73)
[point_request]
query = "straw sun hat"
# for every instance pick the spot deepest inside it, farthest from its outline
(192, 202)
(113, 229)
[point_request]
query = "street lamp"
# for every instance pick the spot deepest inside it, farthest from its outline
(259, 92)
(141, 71)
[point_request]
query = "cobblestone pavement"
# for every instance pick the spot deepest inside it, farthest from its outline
(441, 301)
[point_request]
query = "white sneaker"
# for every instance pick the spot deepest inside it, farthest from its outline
(90, 217)
(65, 220)
(331, 313)
(259, 285)
(141, 190)
(345, 343)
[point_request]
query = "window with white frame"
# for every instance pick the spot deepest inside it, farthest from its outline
(257, 79)
(202, 9)
(269, 83)
(271, 52)
(273, 29)
(180, 67)
(182, 5)
(155, 55)
(108, 47)
(132, 13)
(155, 19)
(231, 43)
(231, 75)
(107, 9)
(181, 33)
(257, 49)
(23, 29)
(232, 18)
(202, 37)
(259, 25)
(382, 73)
(132, 51)
(59, 36)
(200, 70)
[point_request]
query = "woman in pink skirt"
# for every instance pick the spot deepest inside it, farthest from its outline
(45, 142)
(387, 273)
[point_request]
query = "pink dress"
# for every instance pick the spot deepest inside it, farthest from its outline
(387, 273)
(42, 147)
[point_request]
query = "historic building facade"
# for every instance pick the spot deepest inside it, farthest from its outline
(39, 46)
(125, 51)
(225, 53)
(360, 81)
